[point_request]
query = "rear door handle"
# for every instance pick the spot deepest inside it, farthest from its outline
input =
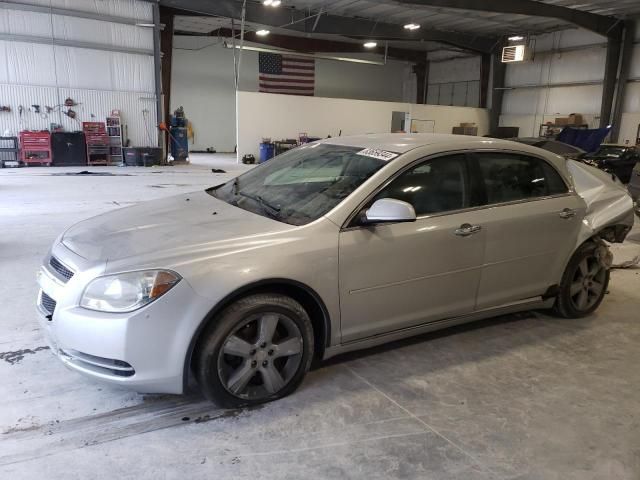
(567, 213)
(467, 229)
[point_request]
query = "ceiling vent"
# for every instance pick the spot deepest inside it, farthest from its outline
(516, 53)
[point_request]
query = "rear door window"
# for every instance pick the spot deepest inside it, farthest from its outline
(509, 177)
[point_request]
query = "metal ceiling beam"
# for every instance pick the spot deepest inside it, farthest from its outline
(27, 7)
(369, 29)
(323, 23)
(312, 45)
(604, 25)
(10, 37)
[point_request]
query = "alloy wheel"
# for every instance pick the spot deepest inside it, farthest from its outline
(260, 356)
(588, 283)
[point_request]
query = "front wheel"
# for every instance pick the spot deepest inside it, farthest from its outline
(256, 351)
(584, 284)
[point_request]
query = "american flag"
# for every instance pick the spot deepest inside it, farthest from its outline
(287, 74)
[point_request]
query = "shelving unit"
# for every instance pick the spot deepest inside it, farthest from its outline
(9, 152)
(116, 140)
(98, 152)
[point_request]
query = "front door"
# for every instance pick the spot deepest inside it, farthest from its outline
(394, 276)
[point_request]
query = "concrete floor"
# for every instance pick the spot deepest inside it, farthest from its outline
(518, 397)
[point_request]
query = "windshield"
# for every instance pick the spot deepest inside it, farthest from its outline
(610, 151)
(300, 185)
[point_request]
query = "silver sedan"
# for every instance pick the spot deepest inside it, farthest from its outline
(334, 246)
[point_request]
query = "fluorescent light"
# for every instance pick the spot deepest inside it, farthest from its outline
(516, 38)
(272, 3)
(302, 54)
(370, 45)
(147, 25)
(262, 33)
(411, 26)
(267, 2)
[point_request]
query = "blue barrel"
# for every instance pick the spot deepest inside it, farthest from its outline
(266, 151)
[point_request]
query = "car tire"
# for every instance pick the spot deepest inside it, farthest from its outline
(255, 351)
(584, 284)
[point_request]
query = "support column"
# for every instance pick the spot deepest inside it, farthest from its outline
(166, 47)
(157, 65)
(422, 81)
(623, 77)
(485, 73)
(610, 76)
(499, 72)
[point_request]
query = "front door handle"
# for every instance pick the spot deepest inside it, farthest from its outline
(567, 213)
(467, 229)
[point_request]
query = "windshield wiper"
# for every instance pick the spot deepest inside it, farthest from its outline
(272, 210)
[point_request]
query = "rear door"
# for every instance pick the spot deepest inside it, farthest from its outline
(531, 224)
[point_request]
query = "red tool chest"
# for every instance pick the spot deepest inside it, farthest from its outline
(95, 134)
(35, 147)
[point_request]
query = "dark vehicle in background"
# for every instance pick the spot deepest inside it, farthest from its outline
(634, 188)
(559, 148)
(617, 159)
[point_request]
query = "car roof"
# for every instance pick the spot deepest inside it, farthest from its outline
(404, 142)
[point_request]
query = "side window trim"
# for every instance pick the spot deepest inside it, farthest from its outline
(475, 179)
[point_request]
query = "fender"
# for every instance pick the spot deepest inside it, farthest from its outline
(243, 291)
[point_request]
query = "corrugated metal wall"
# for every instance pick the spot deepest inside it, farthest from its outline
(98, 80)
(528, 108)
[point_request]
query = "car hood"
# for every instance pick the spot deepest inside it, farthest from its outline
(181, 223)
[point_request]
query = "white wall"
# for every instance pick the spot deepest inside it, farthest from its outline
(99, 80)
(202, 82)
(527, 108)
(285, 116)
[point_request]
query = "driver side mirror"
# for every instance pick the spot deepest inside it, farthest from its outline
(388, 210)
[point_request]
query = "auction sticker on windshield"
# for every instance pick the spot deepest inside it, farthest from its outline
(379, 154)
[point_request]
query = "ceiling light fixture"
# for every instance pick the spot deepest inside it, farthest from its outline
(411, 26)
(302, 54)
(370, 44)
(516, 38)
(272, 3)
(262, 33)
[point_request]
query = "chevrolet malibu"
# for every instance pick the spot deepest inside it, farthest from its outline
(335, 246)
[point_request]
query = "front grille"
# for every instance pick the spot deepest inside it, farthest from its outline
(48, 303)
(63, 272)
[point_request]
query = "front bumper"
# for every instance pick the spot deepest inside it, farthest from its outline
(143, 350)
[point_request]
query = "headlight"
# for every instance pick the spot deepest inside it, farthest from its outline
(126, 292)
